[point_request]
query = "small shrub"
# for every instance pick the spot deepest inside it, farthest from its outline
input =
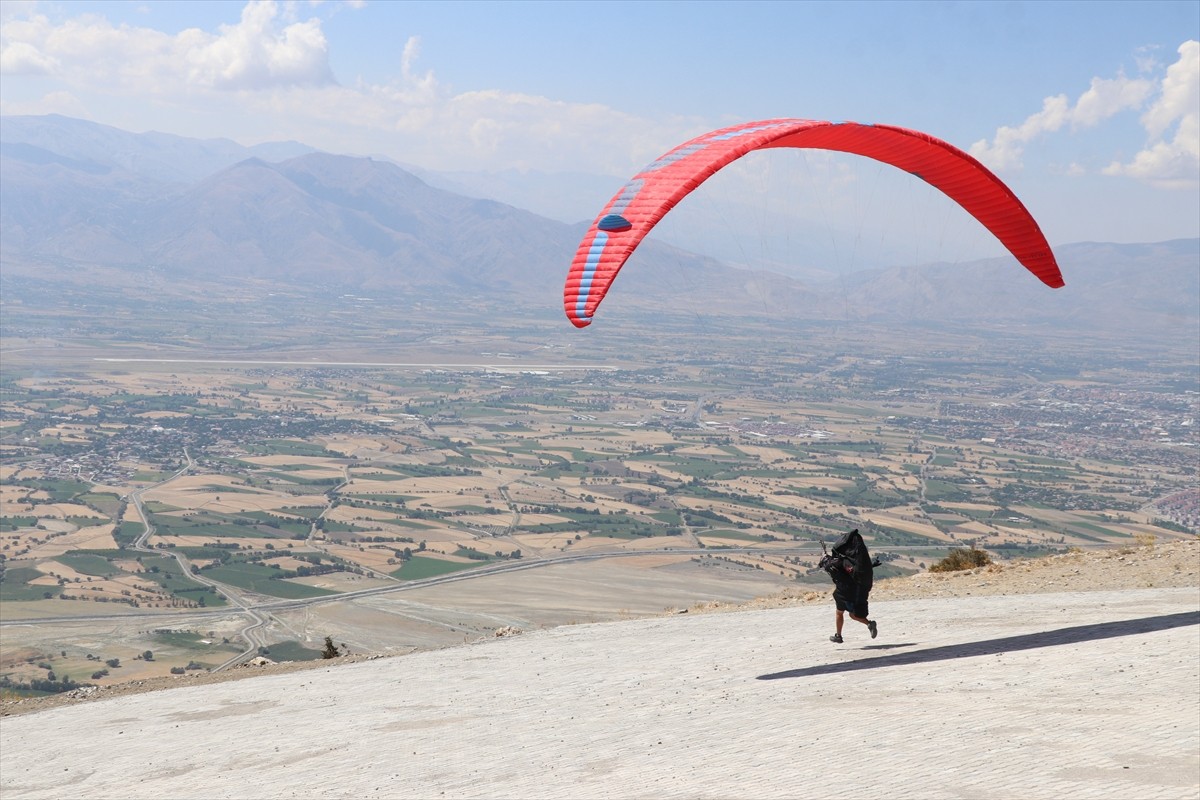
(177, 670)
(961, 559)
(330, 650)
(1146, 540)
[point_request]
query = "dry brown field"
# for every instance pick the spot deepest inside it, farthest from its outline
(535, 461)
(341, 582)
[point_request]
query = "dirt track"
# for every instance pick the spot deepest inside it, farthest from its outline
(1168, 565)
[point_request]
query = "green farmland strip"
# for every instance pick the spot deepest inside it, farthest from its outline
(128, 532)
(261, 579)
(419, 567)
(88, 564)
(16, 585)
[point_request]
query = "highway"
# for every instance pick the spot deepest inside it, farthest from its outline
(252, 633)
(258, 612)
(454, 577)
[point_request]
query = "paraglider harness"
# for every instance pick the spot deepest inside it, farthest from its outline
(849, 565)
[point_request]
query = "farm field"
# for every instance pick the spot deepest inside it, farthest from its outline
(407, 508)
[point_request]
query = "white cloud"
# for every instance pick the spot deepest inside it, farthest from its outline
(1171, 161)
(267, 77)
(1103, 99)
(1146, 58)
(1170, 158)
(423, 85)
(253, 54)
(1106, 98)
(16, 9)
(89, 51)
(1180, 91)
(22, 58)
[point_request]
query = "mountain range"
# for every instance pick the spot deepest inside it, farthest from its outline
(76, 197)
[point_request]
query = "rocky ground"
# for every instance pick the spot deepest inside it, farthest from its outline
(1165, 565)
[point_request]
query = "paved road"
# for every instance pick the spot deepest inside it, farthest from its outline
(1080, 695)
(422, 583)
(254, 631)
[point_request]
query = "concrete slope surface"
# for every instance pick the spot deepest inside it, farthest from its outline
(1076, 695)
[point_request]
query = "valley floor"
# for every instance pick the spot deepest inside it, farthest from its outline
(1069, 693)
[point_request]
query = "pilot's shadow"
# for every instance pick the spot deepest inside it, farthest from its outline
(1007, 644)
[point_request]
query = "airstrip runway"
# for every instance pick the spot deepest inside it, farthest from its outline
(1076, 695)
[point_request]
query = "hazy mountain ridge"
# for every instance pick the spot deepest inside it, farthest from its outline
(353, 223)
(1108, 283)
(160, 157)
(78, 196)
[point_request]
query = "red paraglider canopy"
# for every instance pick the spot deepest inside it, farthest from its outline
(654, 191)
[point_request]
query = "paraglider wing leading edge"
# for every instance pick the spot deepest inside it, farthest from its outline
(654, 191)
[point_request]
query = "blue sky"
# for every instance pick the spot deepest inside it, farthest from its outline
(1090, 111)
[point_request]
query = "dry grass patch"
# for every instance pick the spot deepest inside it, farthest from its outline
(445, 551)
(644, 470)
(901, 522)
(437, 532)
(67, 435)
(358, 445)
(341, 581)
(64, 510)
(545, 541)
(354, 514)
(316, 474)
(705, 450)
(286, 562)
(94, 587)
(541, 519)
(40, 609)
(657, 560)
(638, 543)
(98, 537)
(367, 487)
(765, 455)
(292, 461)
(9, 472)
(809, 480)
(535, 493)
(373, 556)
(468, 484)
(455, 502)
(711, 540)
(196, 497)
(487, 520)
(973, 528)
(606, 504)
(12, 499)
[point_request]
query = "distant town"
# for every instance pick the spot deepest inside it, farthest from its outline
(252, 508)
